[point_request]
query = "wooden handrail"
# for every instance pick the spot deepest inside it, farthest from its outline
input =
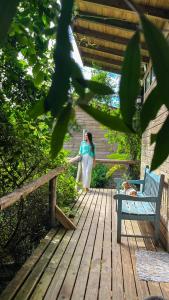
(117, 161)
(51, 176)
(24, 191)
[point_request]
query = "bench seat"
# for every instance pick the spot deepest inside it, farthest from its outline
(138, 208)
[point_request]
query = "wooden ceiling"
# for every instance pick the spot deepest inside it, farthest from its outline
(103, 28)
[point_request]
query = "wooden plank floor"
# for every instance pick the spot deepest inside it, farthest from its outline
(87, 263)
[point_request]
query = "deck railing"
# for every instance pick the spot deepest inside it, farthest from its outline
(51, 176)
(21, 193)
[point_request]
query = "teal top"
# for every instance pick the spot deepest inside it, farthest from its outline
(85, 148)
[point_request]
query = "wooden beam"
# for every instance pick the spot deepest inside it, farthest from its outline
(159, 12)
(104, 36)
(122, 24)
(63, 219)
(95, 57)
(112, 51)
(109, 68)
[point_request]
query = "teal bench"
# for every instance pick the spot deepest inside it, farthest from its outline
(146, 206)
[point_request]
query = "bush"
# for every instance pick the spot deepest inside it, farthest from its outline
(66, 192)
(99, 178)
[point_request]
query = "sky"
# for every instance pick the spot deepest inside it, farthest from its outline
(115, 78)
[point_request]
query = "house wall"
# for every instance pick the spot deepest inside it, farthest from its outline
(88, 123)
(148, 149)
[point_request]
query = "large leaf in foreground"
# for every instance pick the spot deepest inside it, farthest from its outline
(150, 108)
(60, 130)
(78, 80)
(37, 110)
(129, 84)
(112, 122)
(158, 47)
(98, 87)
(58, 93)
(161, 150)
(7, 12)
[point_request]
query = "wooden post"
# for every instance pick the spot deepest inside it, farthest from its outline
(52, 201)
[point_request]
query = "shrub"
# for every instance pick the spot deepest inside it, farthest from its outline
(66, 192)
(99, 178)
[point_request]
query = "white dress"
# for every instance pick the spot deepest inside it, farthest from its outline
(87, 165)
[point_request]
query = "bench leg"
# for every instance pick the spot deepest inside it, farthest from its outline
(157, 231)
(119, 229)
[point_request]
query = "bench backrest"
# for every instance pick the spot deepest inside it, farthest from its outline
(153, 184)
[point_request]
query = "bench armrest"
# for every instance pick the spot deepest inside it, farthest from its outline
(122, 197)
(139, 181)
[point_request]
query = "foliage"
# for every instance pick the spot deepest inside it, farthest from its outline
(99, 178)
(66, 192)
(118, 156)
(128, 147)
(115, 168)
(127, 144)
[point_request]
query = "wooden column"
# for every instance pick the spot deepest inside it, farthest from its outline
(52, 201)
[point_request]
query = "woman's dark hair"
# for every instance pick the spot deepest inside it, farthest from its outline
(90, 140)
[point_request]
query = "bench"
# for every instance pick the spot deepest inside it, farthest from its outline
(144, 207)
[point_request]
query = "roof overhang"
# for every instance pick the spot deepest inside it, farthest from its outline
(103, 29)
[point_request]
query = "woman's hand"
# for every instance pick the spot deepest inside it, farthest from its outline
(94, 162)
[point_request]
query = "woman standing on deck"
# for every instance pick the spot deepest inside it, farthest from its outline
(87, 151)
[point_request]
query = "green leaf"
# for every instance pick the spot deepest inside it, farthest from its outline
(158, 47)
(44, 19)
(50, 31)
(7, 12)
(162, 138)
(60, 130)
(58, 93)
(37, 110)
(78, 88)
(98, 87)
(36, 69)
(150, 108)
(39, 78)
(78, 80)
(32, 59)
(129, 84)
(113, 122)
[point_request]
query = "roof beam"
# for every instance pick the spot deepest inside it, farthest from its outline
(110, 51)
(126, 25)
(103, 36)
(110, 68)
(147, 9)
(95, 57)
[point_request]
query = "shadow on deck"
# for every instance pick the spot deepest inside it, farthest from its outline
(87, 263)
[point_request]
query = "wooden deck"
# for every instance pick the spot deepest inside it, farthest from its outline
(86, 263)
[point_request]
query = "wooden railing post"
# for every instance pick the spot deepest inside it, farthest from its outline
(52, 201)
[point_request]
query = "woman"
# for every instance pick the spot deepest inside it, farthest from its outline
(87, 151)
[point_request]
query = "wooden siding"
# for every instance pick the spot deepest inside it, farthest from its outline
(88, 123)
(147, 154)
